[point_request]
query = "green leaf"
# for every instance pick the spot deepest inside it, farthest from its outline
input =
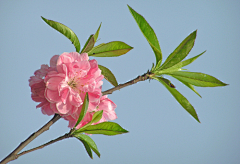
(189, 86)
(180, 98)
(189, 61)
(87, 140)
(178, 66)
(106, 128)
(96, 117)
(91, 41)
(149, 33)
(97, 32)
(87, 147)
(108, 75)
(197, 79)
(65, 31)
(89, 44)
(84, 109)
(111, 49)
(180, 52)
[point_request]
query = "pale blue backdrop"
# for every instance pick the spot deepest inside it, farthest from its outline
(161, 131)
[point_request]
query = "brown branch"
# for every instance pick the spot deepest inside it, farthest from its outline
(67, 135)
(120, 86)
(13, 155)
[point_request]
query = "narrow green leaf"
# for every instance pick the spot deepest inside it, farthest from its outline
(96, 117)
(148, 32)
(87, 147)
(89, 44)
(180, 98)
(189, 61)
(108, 75)
(189, 86)
(97, 32)
(111, 49)
(106, 128)
(197, 79)
(181, 51)
(65, 31)
(178, 66)
(89, 141)
(84, 109)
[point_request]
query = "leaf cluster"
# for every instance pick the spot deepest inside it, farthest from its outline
(173, 65)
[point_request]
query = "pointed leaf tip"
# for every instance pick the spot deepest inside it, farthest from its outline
(180, 98)
(197, 79)
(108, 75)
(181, 51)
(148, 33)
(88, 143)
(66, 31)
(111, 49)
(97, 33)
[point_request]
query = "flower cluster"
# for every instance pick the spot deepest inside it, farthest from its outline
(61, 88)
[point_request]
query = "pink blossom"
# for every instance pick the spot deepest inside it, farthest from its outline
(75, 76)
(61, 88)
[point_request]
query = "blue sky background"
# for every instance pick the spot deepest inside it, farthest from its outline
(161, 131)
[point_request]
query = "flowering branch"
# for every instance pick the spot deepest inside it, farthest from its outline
(14, 155)
(71, 87)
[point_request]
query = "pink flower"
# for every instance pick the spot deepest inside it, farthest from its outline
(61, 88)
(75, 76)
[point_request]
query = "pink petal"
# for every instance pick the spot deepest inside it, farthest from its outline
(47, 110)
(64, 95)
(53, 107)
(52, 96)
(53, 61)
(53, 83)
(64, 58)
(63, 108)
(75, 99)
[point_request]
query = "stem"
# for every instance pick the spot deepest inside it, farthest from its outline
(137, 79)
(67, 135)
(13, 155)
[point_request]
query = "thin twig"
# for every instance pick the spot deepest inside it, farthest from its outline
(13, 155)
(120, 86)
(67, 135)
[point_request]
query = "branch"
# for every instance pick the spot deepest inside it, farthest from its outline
(67, 135)
(14, 154)
(139, 78)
